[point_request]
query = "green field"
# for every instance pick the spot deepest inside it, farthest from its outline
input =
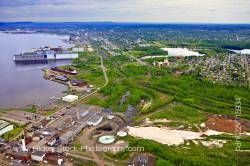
(88, 68)
(13, 133)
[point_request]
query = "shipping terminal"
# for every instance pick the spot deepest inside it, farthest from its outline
(45, 54)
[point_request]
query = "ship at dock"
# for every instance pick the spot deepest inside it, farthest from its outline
(44, 55)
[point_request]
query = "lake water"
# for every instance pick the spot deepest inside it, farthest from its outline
(243, 52)
(22, 85)
(181, 52)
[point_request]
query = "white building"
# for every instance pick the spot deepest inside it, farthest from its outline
(95, 120)
(38, 156)
(5, 127)
(161, 64)
(66, 56)
(70, 98)
(78, 49)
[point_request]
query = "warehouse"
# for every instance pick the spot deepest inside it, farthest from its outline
(69, 135)
(95, 120)
(5, 127)
(45, 54)
(70, 98)
(38, 156)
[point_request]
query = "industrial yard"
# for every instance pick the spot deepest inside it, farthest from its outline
(45, 137)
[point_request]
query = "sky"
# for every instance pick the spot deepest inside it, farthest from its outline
(165, 11)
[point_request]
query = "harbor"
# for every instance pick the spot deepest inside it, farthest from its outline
(21, 83)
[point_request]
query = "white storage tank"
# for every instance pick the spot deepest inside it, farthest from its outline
(122, 133)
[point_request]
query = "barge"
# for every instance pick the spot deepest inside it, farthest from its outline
(45, 54)
(69, 71)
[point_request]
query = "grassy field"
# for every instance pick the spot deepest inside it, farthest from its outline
(13, 133)
(149, 50)
(203, 95)
(88, 68)
(180, 115)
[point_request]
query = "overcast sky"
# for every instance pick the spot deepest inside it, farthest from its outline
(195, 11)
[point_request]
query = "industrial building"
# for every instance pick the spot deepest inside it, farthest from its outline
(45, 54)
(53, 158)
(108, 113)
(38, 156)
(78, 49)
(5, 127)
(71, 134)
(95, 120)
(75, 120)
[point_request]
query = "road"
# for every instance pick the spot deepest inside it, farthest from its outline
(87, 158)
(104, 72)
(136, 59)
(247, 70)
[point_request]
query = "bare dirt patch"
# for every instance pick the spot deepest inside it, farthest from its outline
(226, 124)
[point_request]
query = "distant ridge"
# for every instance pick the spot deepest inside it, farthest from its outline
(110, 24)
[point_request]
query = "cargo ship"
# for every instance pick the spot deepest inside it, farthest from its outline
(45, 54)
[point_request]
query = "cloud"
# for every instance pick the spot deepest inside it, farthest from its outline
(212, 9)
(230, 11)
